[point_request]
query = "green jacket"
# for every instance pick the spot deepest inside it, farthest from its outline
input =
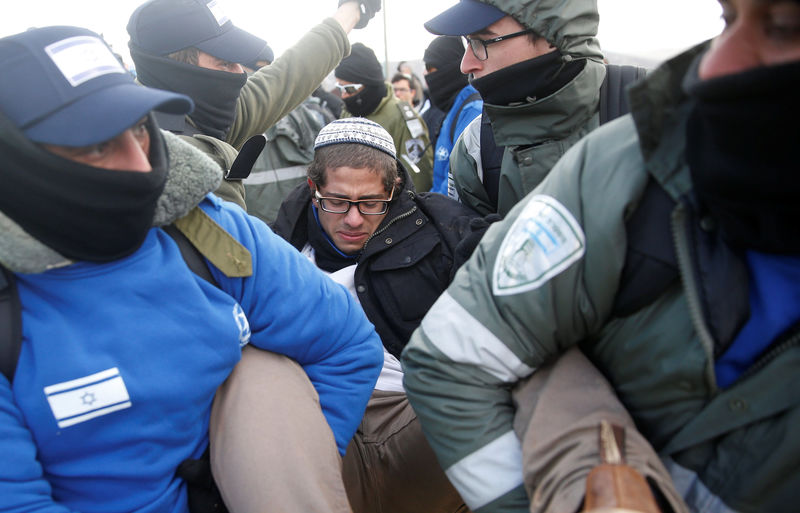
(410, 137)
(272, 92)
(546, 278)
(283, 162)
(538, 132)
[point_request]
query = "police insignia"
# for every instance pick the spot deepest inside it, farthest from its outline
(414, 149)
(543, 241)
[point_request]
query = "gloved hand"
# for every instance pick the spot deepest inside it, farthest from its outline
(368, 9)
(477, 227)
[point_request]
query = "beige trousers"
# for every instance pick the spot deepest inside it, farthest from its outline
(559, 409)
(271, 447)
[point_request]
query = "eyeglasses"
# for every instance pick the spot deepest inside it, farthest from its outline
(349, 88)
(367, 207)
(401, 90)
(480, 47)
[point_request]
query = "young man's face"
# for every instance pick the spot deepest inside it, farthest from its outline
(351, 230)
(503, 53)
(402, 89)
(128, 151)
(757, 33)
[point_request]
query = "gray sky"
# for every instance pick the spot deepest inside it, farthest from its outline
(648, 28)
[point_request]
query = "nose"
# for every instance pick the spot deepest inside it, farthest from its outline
(734, 51)
(470, 63)
(133, 152)
(353, 217)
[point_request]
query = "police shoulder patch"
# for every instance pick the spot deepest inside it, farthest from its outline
(543, 241)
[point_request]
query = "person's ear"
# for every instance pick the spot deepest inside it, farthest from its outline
(310, 184)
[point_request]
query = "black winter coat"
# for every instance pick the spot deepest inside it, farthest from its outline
(407, 263)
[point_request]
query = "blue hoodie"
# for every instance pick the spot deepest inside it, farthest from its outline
(120, 362)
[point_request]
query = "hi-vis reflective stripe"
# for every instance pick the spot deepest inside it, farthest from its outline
(457, 334)
(488, 473)
(275, 175)
(85, 398)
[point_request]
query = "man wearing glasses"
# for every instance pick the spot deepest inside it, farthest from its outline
(539, 68)
(359, 220)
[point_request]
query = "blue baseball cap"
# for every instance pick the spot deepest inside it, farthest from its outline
(466, 17)
(64, 86)
(161, 27)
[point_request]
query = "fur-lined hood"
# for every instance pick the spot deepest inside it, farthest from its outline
(190, 177)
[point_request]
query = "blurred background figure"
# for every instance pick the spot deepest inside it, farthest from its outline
(366, 94)
(452, 95)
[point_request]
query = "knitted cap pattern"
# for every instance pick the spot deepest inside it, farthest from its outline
(356, 131)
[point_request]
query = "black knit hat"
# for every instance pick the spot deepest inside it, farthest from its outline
(360, 67)
(444, 51)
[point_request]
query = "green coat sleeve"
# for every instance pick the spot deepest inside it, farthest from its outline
(539, 282)
(274, 90)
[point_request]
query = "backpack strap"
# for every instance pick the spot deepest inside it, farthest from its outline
(469, 99)
(614, 90)
(10, 324)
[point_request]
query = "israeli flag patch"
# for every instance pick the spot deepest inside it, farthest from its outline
(543, 241)
(82, 399)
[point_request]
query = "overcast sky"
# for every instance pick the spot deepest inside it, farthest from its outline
(651, 28)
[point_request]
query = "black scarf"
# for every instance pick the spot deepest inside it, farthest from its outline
(326, 254)
(535, 78)
(444, 84)
(365, 102)
(82, 212)
(741, 150)
(214, 92)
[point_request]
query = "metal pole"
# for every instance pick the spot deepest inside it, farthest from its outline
(385, 44)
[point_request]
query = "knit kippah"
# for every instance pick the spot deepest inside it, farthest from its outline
(356, 131)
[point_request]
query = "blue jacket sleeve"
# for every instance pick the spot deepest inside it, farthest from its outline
(22, 483)
(295, 310)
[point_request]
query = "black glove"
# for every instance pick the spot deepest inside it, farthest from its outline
(368, 9)
(477, 227)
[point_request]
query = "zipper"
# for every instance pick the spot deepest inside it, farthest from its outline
(390, 223)
(683, 252)
(770, 355)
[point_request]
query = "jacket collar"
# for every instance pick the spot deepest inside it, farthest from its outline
(552, 117)
(660, 108)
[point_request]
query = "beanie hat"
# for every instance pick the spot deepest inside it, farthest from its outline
(356, 131)
(161, 27)
(360, 67)
(64, 86)
(444, 51)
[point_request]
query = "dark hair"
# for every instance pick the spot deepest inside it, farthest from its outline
(402, 76)
(352, 155)
(190, 55)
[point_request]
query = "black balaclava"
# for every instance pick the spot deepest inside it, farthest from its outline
(214, 92)
(362, 67)
(82, 212)
(366, 101)
(741, 140)
(534, 78)
(445, 53)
